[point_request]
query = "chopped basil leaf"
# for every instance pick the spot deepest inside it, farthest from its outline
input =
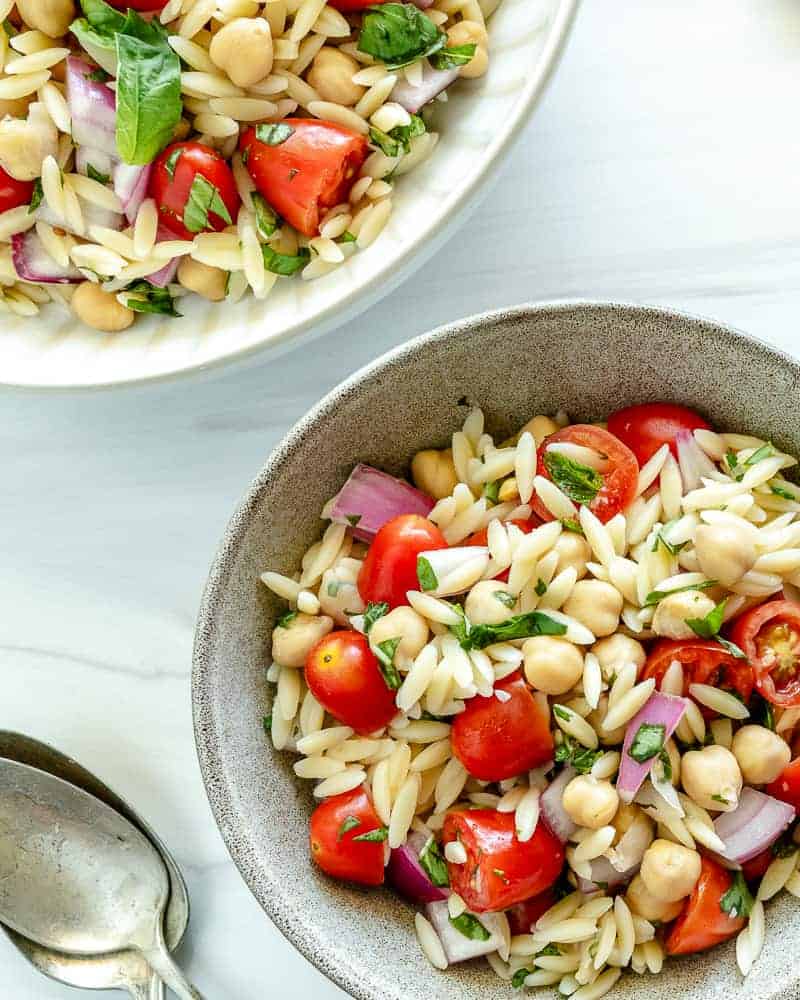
(462, 629)
(267, 221)
(347, 237)
(285, 264)
(581, 758)
(562, 713)
(765, 451)
(551, 949)
(267, 723)
(398, 34)
(333, 588)
(765, 714)
(784, 846)
(449, 58)
(733, 465)
(648, 742)
(492, 491)
(172, 161)
(581, 483)
(519, 977)
(353, 519)
(666, 764)
(470, 927)
(375, 610)
(385, 143)
(348, 823)
(397, 141)
(671, 547)
(518, 627)
(203, 198)
(781, 491)
(98, 75)
(540, 588)
(96, 175)
(384, 653)
(731, 647)
(274, 135)
(38, 195)
(504, 597)
(425, 574)
(376, 836)
(570, 524)
(720, 798)
(737, 901)
(152, 299)
(709, 626)
(658, 595)
(286, 620)
(9, 29)
(434, 864)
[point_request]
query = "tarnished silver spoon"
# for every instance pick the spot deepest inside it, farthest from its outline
(77, 876)
(124, 970)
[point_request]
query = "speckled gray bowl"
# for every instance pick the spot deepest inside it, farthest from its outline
(588, 358)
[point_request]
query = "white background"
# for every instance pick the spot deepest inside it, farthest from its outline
(661, 167)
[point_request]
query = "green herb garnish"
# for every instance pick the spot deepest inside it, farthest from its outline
(348, 823)
(384, 653)
(737, 901)
(570, 524)
(398, 34)
(541, 587)
(152, 299)
(518, 627)
(470, 927)
(203, 199)
(580, 483)
(708, 628)
(503, 596)
(425, 574)
(450, 57)
(648, 742)
(658, 595)
(274, 135)
(38, 195)
(375, 610)
(285, 264)
(286, 620)
(267, 221)
(171, 161)
(492, 491)
(376, 836)
(581, 758)
(96, 175)
(765, 451)
(434, 864)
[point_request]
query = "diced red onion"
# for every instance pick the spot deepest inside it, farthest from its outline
(414, 96)
(164, 275)
(408, 876)
(692, 460)
(753, 826)
(85, 157)
(552, 807)
(457, 946)
(659, 710)
(33, 263)
(605, 875)
(371, 498)
(93, 107)
(130, 184)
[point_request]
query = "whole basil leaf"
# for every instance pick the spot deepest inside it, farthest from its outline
(398, 34)
(148, 98)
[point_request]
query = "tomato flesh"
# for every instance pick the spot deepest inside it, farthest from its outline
(173, 176)
(704, 661)
(769, 635)
(522, 916)
(500, 871)
(619, 479)
(309, 172)
(334, 826)
(343, 674)
(496, 739)
(14, 193)
(786, 786)
(703, 923)
(390, 567)
(645, 427)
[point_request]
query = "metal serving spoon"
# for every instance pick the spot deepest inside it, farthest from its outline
(77, 876)
(126, 970)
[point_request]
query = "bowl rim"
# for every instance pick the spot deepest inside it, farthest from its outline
(364, 295)
(221, 800)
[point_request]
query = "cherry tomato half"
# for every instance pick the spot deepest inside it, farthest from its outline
(140, 5)
(522, 916)
(309, 172)
(703, 923)
(185, 205)
(500, 871)
(14, 193)
(390, 568)
(769, 635)
(786, 786)
(704, 662)
(335, 829)
(619, 479)
(343, 675)
(481, 538)
(644, 428)
(755, 868)
(496, 739)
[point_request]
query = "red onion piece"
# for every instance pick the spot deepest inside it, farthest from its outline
(659, 710)
(753, 826)
(605, 875)
(434, 81)
(93, 107)
(33, 263)
(408, 876)
(374, 498)
(552, 808)
(85, 157)
(130, 184)
(164, 275)
(457, 946)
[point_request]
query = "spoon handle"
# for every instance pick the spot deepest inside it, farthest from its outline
(156, 990)
(161, 962)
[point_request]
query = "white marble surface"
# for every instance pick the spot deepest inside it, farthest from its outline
(661, 167)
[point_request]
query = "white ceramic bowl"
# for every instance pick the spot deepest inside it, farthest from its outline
(478, 124)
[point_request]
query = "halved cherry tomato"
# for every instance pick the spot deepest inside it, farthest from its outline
(343, 675)
(770, 637)
(704, 662)
(619, 480)
(335, 827)
(500, 871)
(481, 538)
(644, 428)
(522, 916)
(309, 172)
(14, 193)
(703, 923)
(390, 568)
(754, 868)
(786, 786)
(496, 739)
(172, 185)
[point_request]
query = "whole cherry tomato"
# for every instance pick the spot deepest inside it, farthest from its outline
(306, 173)
(339, 836)
(522, 916)
(496, 739)
(500, 870)
(644, 428)
(786, 786)
(344, 676)
(194, 189)
(609, 491)
(769, 635)
(390, 568)
(703, 922)
(14, 193)
(704, 661)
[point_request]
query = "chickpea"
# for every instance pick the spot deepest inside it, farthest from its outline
(645, 904)
(615, 651)
(761, 754)
(243, 49)
(24, 144)
(291, 643)
(552, 665)
(671, 613)
(725, 551)
(589, 802)
(471, 33)
(100, 309)
(712, 778)
(433, 472)
(595, 604)
(488, 603)
(404, 622)
(540, 427)
(670, 871)
(52, 17)
(210, 282)
(573, 550)
(331, 75)
(338, 591)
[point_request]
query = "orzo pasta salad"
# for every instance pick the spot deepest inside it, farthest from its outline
(153, 148)
(549, 693)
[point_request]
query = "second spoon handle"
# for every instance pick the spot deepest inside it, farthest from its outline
(156, 989)
(161, 962)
